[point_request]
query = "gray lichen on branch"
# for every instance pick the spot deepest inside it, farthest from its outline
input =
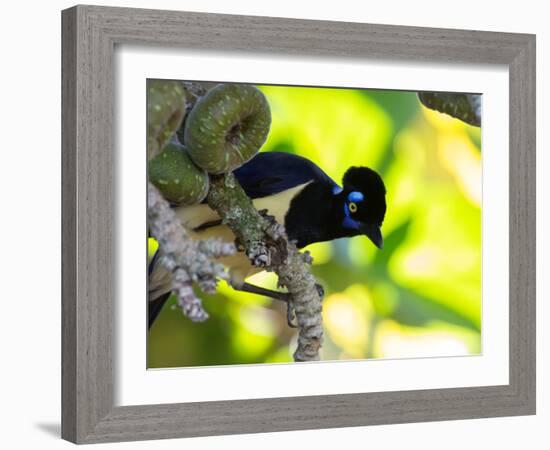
(267, 245)
(186, 260)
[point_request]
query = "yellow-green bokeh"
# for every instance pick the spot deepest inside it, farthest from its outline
(419, 296)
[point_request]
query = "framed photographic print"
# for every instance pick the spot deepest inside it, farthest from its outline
(335, 219)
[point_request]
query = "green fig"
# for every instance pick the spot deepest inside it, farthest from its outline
(177, 178)
(227, 127)
(465, 107)
(165, 113)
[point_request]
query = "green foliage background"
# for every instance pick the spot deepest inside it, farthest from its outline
(419, 296)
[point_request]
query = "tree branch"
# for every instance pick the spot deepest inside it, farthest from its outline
(267, 245)
(185, 259)
(212, 115)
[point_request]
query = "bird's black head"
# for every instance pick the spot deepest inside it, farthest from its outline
(364, 198)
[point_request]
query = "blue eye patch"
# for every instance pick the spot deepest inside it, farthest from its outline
(349, 222)
(355, 196)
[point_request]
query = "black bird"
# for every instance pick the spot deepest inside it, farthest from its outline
(312, 207)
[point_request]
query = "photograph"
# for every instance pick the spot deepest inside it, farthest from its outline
(301, 223)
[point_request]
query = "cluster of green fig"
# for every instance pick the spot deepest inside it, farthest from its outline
(224, 129)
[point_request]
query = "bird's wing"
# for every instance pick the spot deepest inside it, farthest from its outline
(155, 307)
(271, 179)
(269, 173)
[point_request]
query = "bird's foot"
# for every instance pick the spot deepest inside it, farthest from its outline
(291, 314)
(291, 318)
(282, 296)
(275, 239)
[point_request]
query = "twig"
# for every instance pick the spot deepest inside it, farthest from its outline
(188, 261)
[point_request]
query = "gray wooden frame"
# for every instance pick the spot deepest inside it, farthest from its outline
(90, 34)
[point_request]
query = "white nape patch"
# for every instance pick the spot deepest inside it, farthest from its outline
(277, 205)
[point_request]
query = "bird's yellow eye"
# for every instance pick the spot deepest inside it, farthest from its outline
(352, 207)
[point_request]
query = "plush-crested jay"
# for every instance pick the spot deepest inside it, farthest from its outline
(312, 207)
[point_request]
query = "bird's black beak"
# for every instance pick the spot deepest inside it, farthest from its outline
(374, 233)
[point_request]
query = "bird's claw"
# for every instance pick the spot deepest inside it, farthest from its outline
(291, 318)
(291, 315)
